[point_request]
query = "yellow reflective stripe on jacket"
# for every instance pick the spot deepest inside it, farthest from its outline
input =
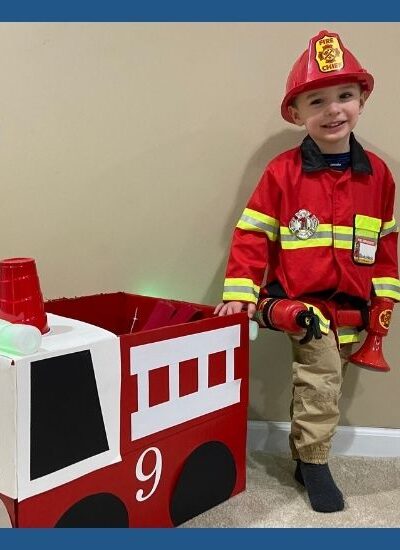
(322, 237)
(389, 227)
(251, 220)
(348, 335)
(324, 323)
(343, 237)
(387, 287)
(240, 290)
(340, 236)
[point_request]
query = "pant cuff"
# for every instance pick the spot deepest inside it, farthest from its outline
(313, 454)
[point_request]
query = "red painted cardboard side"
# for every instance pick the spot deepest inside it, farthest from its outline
(227, 425)
(120, 479)
(128, 382)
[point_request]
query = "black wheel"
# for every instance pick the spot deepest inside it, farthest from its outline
(208, 478)
(100, 510)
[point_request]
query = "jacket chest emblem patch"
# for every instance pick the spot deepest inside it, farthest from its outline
(303, 224)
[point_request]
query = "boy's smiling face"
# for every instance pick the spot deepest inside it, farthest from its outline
(329, 115)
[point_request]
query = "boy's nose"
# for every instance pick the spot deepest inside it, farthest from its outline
(333, 108)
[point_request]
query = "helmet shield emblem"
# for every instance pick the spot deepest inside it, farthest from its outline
(303, 224)
(329, 54)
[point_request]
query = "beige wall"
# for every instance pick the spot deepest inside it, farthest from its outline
(127, 152)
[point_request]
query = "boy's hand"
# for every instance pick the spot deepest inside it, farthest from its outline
(234, 307)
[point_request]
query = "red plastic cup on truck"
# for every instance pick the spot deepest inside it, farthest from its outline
(21, 300)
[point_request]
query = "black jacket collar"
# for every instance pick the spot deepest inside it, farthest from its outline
(313, 160)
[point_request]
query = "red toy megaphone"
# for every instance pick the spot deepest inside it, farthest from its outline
(370, 355)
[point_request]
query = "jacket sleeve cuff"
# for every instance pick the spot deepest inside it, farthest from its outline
(387, 287)
(240, 290)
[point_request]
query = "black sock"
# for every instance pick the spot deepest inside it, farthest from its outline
(298, 476)
(322, 491)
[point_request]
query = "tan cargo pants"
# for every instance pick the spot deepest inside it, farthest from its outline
(318, 370)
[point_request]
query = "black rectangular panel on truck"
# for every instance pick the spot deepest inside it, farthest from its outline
(67, 424)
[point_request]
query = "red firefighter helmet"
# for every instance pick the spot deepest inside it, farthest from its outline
(326, 62)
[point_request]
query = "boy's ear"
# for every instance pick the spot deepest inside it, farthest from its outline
(363, 98)
(294, 113)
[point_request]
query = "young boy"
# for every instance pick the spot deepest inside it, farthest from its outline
(320, 225)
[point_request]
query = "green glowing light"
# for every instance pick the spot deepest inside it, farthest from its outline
(19, 339)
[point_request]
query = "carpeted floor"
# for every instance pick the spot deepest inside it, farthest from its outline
(273, 498)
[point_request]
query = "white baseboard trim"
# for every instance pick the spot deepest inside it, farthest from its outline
(272, 437)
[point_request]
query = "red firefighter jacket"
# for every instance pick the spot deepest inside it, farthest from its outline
(314, 230)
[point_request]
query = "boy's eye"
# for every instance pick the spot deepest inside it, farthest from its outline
(316, 101)
(346, 95)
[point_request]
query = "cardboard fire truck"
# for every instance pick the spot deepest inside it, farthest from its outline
(117, 422)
